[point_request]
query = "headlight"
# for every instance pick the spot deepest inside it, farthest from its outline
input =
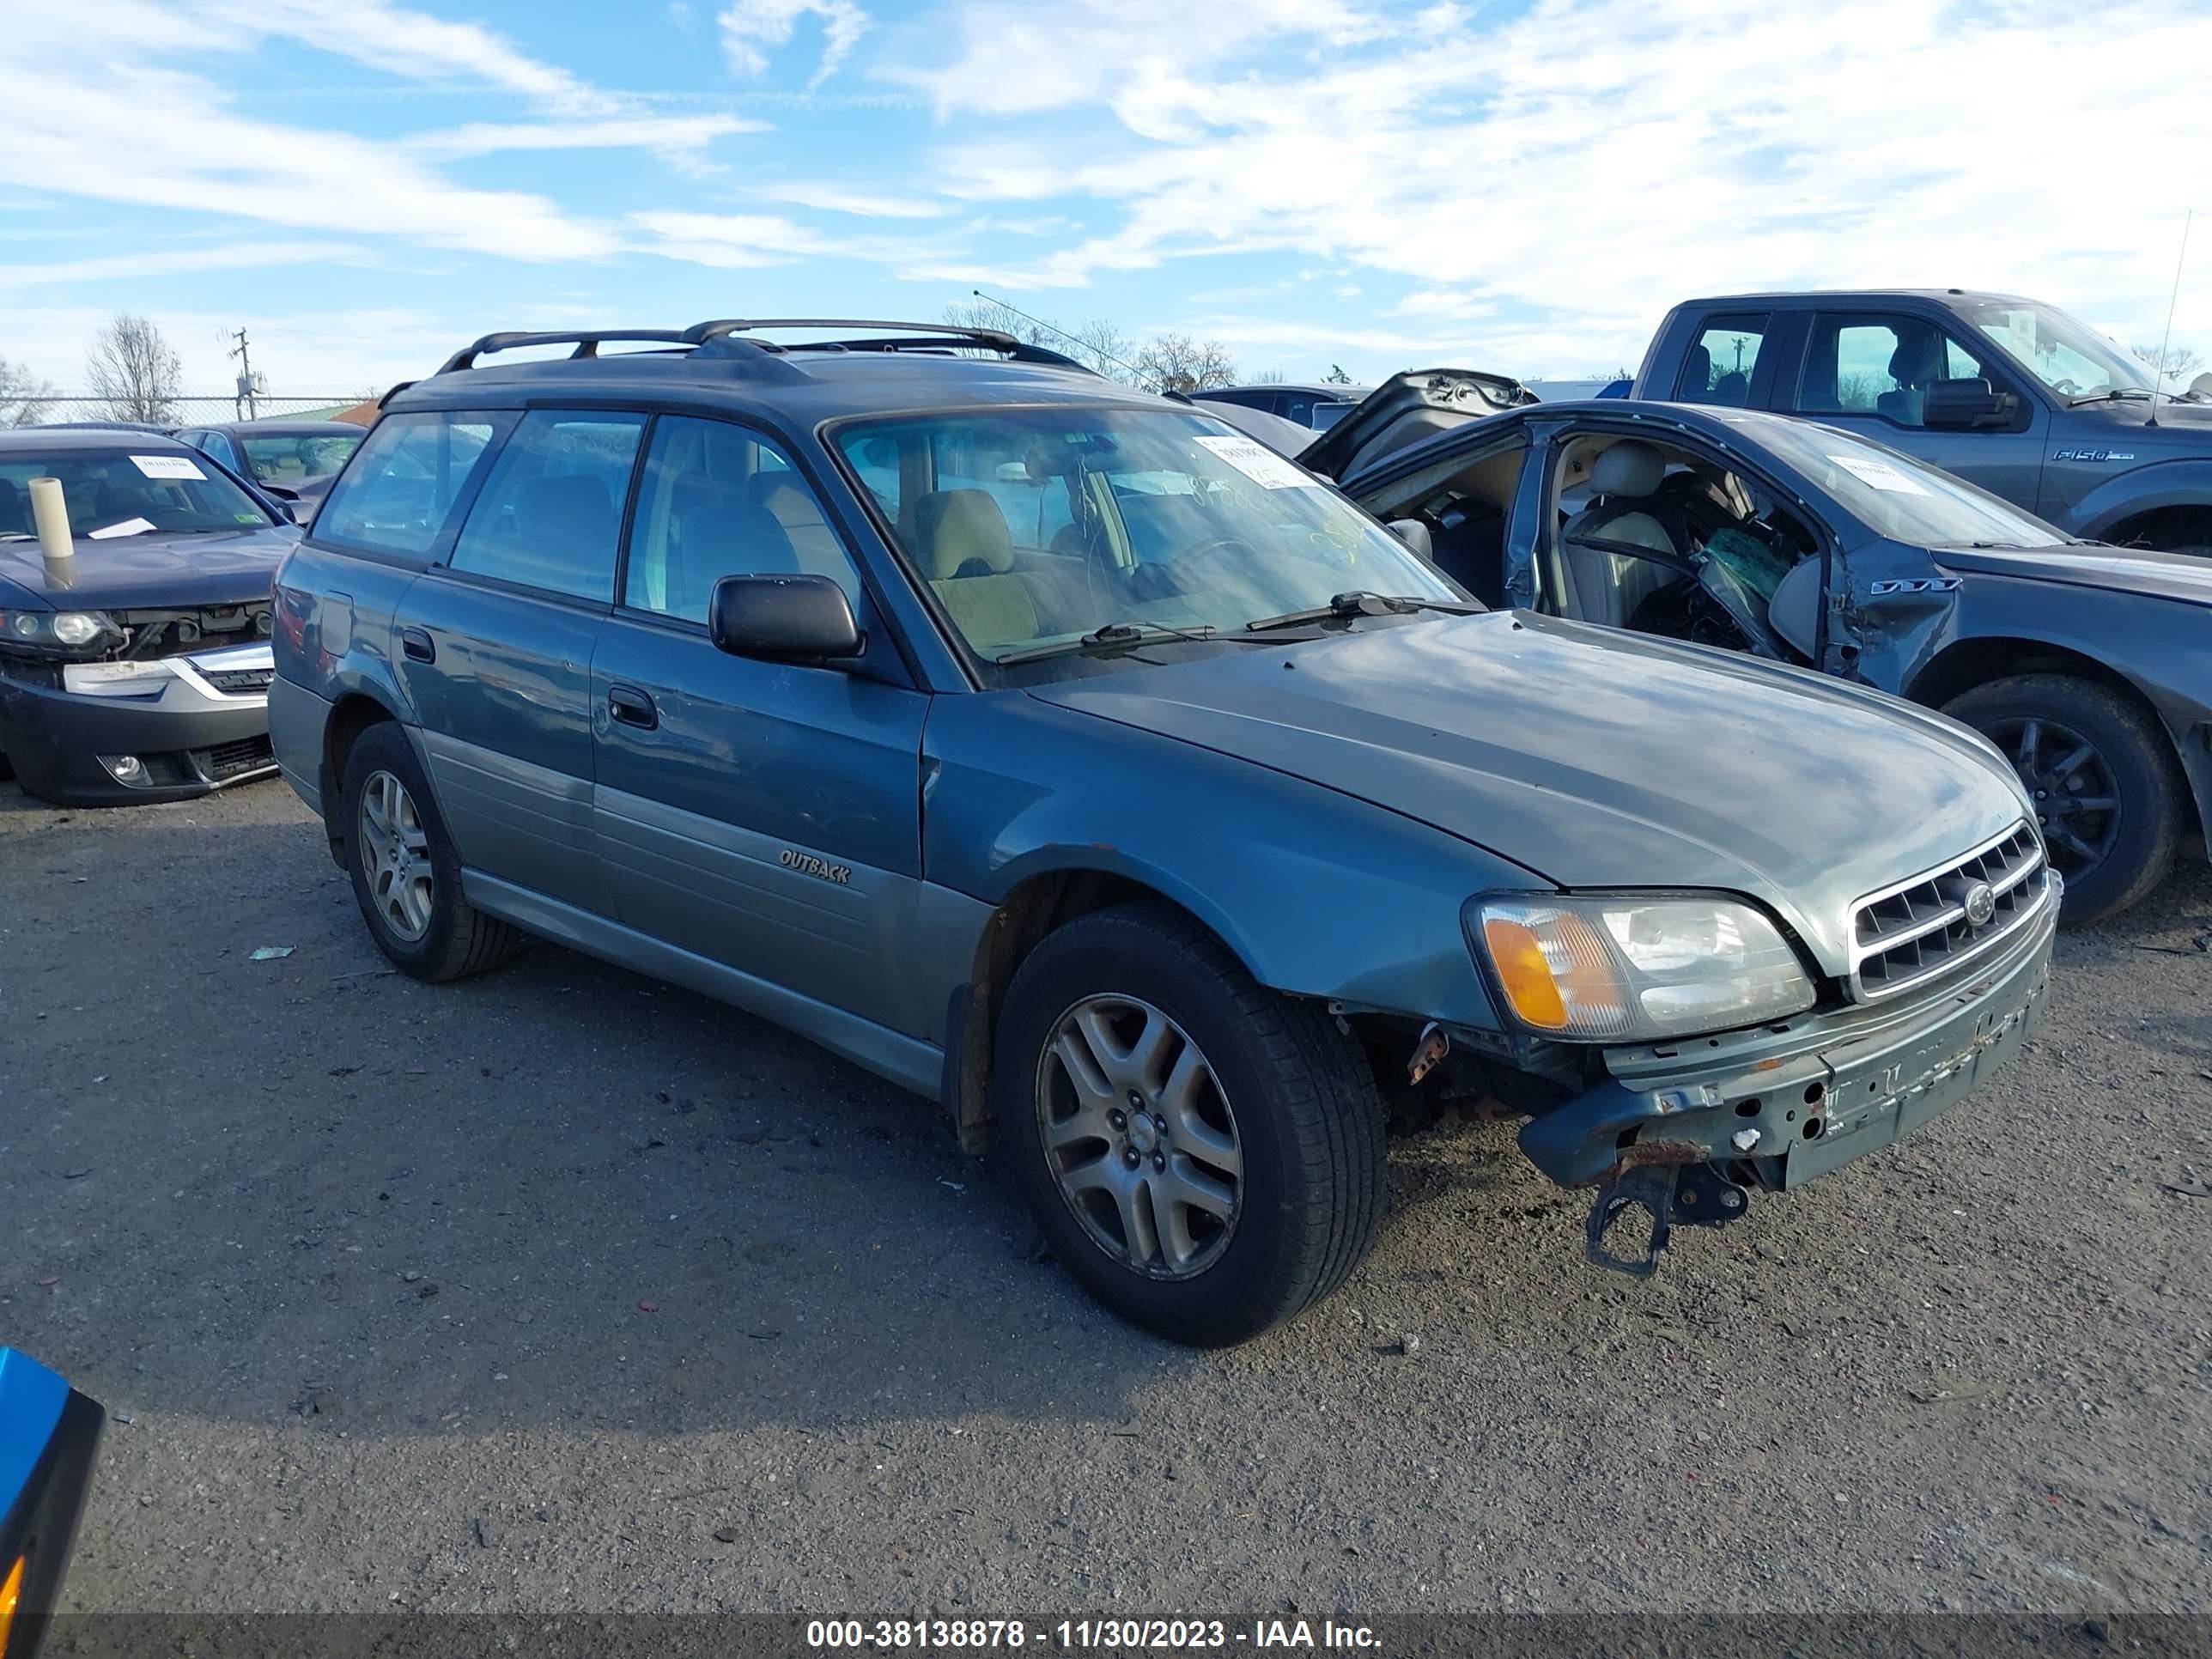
(56, 631)
(1624, 970)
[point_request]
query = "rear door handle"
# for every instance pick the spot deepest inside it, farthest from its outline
(632, 707)
(418, 645)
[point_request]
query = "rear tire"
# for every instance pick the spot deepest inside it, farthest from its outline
(2042, 723)
(406, 875)
(1275, 1124)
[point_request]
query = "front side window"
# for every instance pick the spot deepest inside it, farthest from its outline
(1721, 363)
(1879, 365)
(550, 513)
(112, 493)
(1039, 526)
(411, 473)
(718, 500)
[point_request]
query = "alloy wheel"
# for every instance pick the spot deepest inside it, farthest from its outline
(395, 854)
(1140, 1136)
(2077, 802)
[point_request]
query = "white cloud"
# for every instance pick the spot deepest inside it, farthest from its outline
(668, 134)
(862, 204)
(751, 27)
(166, 262)
(1592, 159)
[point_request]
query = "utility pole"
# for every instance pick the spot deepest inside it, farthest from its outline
(242, 405)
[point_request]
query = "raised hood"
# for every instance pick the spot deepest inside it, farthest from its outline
(1599, 759)
(1405, 409)
(153, 571)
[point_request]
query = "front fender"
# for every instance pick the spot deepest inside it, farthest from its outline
(1319, 894)
(2143, 490)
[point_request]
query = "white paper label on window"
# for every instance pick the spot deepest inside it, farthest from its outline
(128, 527)
(1260, 464)
(167, 466)
(1880, 474)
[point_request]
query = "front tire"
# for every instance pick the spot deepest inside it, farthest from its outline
(1204, 1155)
(2108, 792)
(406, 875)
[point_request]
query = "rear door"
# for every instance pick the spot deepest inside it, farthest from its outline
(494, 647)
(1868, 371)
(765, 816)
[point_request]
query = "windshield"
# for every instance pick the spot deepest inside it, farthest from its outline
(2067, 356)
(113, 492)
(294, 460)
(1035, 527)
(1900, 497)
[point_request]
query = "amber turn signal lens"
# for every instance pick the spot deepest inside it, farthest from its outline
(1524, 975)
(11, 1593)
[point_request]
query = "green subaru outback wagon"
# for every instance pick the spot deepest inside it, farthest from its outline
(1060, 752)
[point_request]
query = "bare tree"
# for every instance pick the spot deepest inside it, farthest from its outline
(132, 370)
(1175, 362)
(1336, 376)
(20, 392)
(1267, 377)
(1100, 345)
(2174, 362)
(989, 313)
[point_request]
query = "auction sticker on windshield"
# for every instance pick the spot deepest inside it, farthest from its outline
(1261, 465)
(167, 466)
(1880, 474)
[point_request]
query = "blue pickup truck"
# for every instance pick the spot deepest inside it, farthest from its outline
(2011, 394)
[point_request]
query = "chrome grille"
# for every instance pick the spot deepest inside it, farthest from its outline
(1909, 933)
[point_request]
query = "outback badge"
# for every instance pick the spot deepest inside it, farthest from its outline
(807, 864)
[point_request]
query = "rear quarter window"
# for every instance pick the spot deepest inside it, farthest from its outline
(403, 492)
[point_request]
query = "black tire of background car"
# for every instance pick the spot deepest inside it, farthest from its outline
(2140, 760)
(1309, 1119)
(461, 940)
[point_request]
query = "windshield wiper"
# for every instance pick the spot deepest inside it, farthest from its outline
(2117, 394)
(1110, 637)
(1359, 603)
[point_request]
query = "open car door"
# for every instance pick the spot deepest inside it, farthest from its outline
(1404, 409)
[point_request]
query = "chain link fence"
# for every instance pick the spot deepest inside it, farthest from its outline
(183, 411)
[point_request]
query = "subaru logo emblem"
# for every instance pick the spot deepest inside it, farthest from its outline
(1981, 904)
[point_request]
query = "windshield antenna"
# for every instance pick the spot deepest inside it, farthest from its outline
(1077, 341)
(2158, 368)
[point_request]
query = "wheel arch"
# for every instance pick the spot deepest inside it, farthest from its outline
(352, 715)
(1037, 906)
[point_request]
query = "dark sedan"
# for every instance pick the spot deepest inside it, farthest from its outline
(2089, 666)
(135, 665)
(293, 460)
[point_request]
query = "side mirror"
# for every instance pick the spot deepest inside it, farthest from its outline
(782, 619)
(1415, 535)
(1959, 406)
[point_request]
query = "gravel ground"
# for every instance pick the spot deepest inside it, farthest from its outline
(559, 1290)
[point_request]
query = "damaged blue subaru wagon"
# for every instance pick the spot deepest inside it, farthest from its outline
(1057, 752)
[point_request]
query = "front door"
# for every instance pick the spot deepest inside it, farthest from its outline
(494, 647)
(765, 816)
(1869, 372)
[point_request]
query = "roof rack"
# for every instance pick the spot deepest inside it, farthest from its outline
(720, 337)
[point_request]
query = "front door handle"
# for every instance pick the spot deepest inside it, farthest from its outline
(632, 707)
(418, 645)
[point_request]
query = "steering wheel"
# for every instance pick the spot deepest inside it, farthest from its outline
(1174, 576)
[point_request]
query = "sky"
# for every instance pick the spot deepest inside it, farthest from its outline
(365, 185)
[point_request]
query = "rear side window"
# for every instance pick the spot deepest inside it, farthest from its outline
(1722, 361)
(550, 513)
(409, 475)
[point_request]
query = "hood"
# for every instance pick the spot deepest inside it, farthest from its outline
(2181, 425)
(1287, 438)
(2092, 564)
(153, 571)
(1599, 759)
(1405, 409)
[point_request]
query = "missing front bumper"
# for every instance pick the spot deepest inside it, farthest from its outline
(1792, 1102)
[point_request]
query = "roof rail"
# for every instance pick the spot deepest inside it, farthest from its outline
(721, 334)
(587, 343)
(931, 337)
